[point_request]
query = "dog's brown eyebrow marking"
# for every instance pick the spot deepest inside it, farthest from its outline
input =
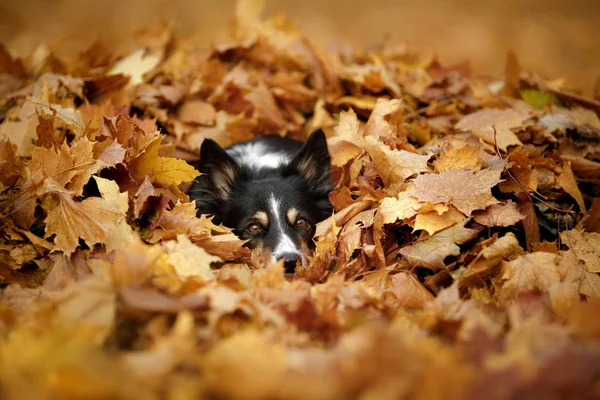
(261, 217)
(292, 214)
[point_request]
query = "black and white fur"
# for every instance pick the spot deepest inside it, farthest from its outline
(270, 190)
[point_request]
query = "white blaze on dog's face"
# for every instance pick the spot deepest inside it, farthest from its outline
(285, 247)
(271, 191)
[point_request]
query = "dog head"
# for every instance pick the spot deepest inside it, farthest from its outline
(274, 208)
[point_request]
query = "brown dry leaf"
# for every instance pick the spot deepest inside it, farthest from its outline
(188, 259)
(348, 128)
(384, 121)
(69, 221)
(586, 246)
(182, 220)
(65, 272)
(489, 259)
(374, 78)
(269, 115)
(136, 65)
(534, 271)
(197, 112)
(10, 166)
(111, 210)
(394, 166)
(145, 191)
(561, 119)
(228, 129)
(341, 217)
(465, 190)
(96, 220)
(323, 255)
(584, 282)
(227, 246)
(433, 250)
(342, 151)
(454, 159)
(434, 221)
(22, 131)
(409, 292)
(499, 215)
(393, 209)
(163, 171)
(567, 181)
(505, 121)
(109, 153)
(70, 167)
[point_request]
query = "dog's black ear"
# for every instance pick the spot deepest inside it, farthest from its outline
(221, 169)
(313, 161)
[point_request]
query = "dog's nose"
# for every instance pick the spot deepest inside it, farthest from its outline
(289, 262)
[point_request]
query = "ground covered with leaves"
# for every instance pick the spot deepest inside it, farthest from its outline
(462, 260)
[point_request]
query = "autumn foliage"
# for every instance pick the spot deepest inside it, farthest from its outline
(461, 261)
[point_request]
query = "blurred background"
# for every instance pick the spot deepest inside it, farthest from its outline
(556, 38)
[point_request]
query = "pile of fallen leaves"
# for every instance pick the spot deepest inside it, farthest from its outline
(462, 260)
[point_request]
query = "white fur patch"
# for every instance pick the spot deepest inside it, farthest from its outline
(257, 155)
(285, 245)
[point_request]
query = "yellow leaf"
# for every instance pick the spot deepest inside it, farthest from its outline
(164, 171)
(189, 259)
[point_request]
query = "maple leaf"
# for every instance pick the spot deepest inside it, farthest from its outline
(348, 128)
(465, 190)
(164, 171)
(342, 151)
(393, 209)
(431, 251)
(529, 272)
(384, 121)
(197, 112)
(489, 259)
(394, 166)
(453, 159)
(181, 219)
(374, 78)
(70, 167)
(408, 291)
(109, 153)
(584, 282)
(228, 129)
(499, 215)
(482, 124)
(561, 119)
(96, 220)
(69, 221)
(189, 259)
(434, 221)
(269, 116)
(135, 65)
(586, 246)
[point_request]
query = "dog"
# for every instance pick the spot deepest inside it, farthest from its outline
(270, 190)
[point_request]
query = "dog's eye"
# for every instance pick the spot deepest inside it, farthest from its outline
(301, 223)
(254, 229)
